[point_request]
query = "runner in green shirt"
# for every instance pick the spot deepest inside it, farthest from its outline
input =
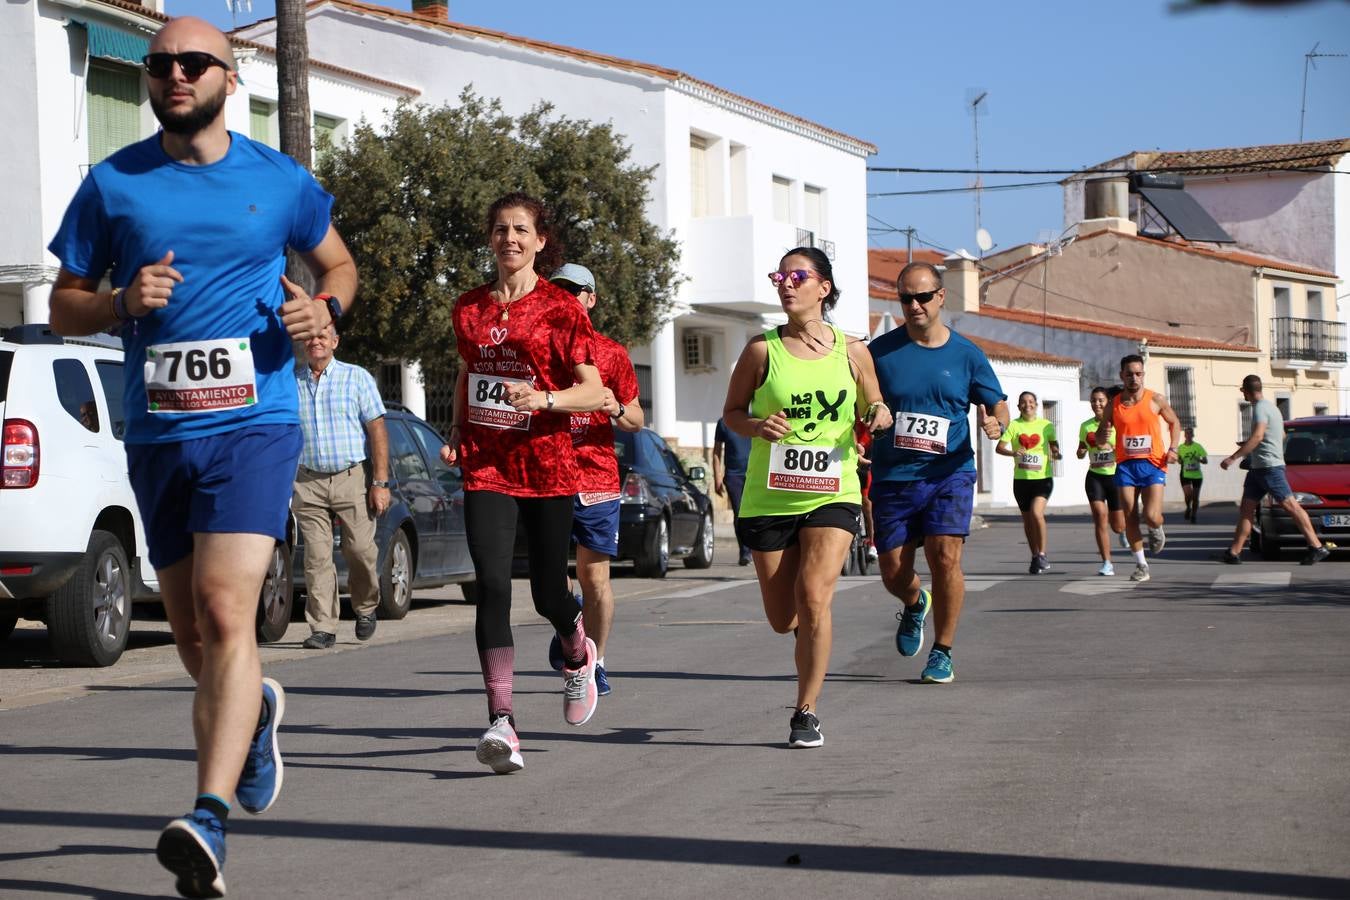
(1191, 456)
(1100, 483)
(1032, 444)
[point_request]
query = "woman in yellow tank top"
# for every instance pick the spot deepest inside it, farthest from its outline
(797, 391)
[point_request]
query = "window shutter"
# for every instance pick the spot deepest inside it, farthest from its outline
(113, 108)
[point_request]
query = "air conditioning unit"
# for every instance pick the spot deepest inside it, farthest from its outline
(698, 350)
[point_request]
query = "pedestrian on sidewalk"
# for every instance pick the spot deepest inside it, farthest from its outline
(528, 357)
(1100, 482)
(1032, 443)
(923, 475)
(192, 226)
(595, 514)
(1265, 447)
(730, 456)
(797, 391)
(344, 473)
(1192, 456)
(1142, 455)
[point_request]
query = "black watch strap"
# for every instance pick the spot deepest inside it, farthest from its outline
(334, 307)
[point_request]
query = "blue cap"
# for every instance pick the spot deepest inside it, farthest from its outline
(575, 274)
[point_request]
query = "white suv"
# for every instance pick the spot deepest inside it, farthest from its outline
(72, 547)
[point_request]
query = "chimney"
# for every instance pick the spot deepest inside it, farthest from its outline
(436, 10)
(1106, 206)
(962, 281)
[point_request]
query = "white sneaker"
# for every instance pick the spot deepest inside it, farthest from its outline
(1123, 540)
(499, 748)
(1107, 569)
(1140, 573)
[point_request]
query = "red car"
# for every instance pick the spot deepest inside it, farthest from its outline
(1317, 463)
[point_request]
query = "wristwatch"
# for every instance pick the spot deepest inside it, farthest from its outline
(382, 484)
(334, 307)
(548, 395)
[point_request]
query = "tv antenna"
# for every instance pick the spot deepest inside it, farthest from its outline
(1309, 59)
(975, 97)
(236, 7)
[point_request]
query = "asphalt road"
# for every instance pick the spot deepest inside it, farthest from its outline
(1188, 736)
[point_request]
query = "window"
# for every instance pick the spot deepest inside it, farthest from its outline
(1282, 404)
(110, 374)
(75, 393)
(644, 380)
(813, 210)
(1315, 305)
(1320, 409)
(431, 443)
(327, 134)
(1181, 394)
(698, 176)
(698, 351)
(740, 204)
(114, 108)
(782, 199)
(404, 459)
(1281, 308)
(1244, 420)
(262, 117)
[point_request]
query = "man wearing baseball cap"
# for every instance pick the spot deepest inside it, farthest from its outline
(595, 523)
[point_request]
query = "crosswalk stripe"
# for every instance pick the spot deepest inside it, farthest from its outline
(1251, 581)
(1099, 585)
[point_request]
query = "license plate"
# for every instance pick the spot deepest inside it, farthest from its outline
(1341, 520)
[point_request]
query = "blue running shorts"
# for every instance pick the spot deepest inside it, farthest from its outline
(596, 527)
(1139, 473)
(905, 512)
(1260, 482)
(237, 482)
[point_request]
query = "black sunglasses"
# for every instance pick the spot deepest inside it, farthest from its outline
(921, 297)
(194, 64)
(573, 289)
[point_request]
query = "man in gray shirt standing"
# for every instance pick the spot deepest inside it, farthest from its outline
(1265, 446)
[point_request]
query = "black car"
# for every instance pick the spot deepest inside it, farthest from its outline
(421, 536)
(663, 514)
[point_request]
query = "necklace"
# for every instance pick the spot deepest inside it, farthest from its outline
(504, 304)
(807, 338)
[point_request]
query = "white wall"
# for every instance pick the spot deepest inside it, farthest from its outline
(1284, 214)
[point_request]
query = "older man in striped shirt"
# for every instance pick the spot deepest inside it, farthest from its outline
(341, 415)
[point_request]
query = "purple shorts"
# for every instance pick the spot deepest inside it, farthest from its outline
(905, 512)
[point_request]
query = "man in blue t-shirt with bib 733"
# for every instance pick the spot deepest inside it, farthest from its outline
(191, 226)
(923, 473)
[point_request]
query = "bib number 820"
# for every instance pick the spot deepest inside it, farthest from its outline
(197, 365)
(806, 460)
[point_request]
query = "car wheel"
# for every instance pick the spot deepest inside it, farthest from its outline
(396, 578)
(89, 617)
(654, 560)
(7, 624)
(276, 600)
(702, 557)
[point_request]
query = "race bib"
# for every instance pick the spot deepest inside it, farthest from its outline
(488, 404)
(591, 498)
(199, 376)
(1031, 462)
(797, 467)
(1137, 445)
(918, 431)
(1101, 458)
(1191, 466)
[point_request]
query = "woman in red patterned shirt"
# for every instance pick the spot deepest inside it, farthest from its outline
(526, 347)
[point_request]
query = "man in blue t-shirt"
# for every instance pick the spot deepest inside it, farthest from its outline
(923, 473)
(730, 457)
(191, 227)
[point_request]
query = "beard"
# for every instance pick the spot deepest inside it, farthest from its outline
(192, 121)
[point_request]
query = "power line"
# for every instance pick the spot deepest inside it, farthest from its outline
(962, 190)
(1197, 167)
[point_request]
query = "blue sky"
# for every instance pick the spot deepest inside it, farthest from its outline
(1069, 84)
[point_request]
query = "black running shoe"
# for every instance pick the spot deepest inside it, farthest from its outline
(805, 730)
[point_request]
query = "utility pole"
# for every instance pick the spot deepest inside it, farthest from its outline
(909, 243)
(1309, 59)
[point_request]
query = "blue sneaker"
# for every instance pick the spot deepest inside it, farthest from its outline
(260, 782)
(193, 848)
(555, 654)
(939, 668)
(909, 636)
(601, 680)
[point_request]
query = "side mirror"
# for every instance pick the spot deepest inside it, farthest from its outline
(697, 473)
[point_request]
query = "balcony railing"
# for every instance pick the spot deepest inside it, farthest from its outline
(807, 238)
(1307, 340)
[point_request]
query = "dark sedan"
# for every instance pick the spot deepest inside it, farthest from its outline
(421, 536)
(663, 514)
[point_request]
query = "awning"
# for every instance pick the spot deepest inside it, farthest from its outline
(106, 42)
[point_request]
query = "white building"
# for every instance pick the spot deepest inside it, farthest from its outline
(737, 181)
(76, 94)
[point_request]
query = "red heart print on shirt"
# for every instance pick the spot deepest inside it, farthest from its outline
(1029, 440)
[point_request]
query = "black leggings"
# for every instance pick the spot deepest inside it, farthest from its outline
(490, 520)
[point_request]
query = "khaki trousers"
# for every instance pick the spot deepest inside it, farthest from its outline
(316, 500)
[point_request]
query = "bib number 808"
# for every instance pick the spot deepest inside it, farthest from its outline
(806, 460)
(198, 364)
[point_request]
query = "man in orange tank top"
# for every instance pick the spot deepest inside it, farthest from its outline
(1141, 456)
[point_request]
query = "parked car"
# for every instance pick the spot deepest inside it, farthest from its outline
(1317, 463)
(421, 537)
(72, 546)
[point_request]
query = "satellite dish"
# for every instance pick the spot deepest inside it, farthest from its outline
(983, 240)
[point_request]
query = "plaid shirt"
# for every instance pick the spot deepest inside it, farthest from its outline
(333, 413)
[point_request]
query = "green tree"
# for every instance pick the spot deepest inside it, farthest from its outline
(411, 201)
